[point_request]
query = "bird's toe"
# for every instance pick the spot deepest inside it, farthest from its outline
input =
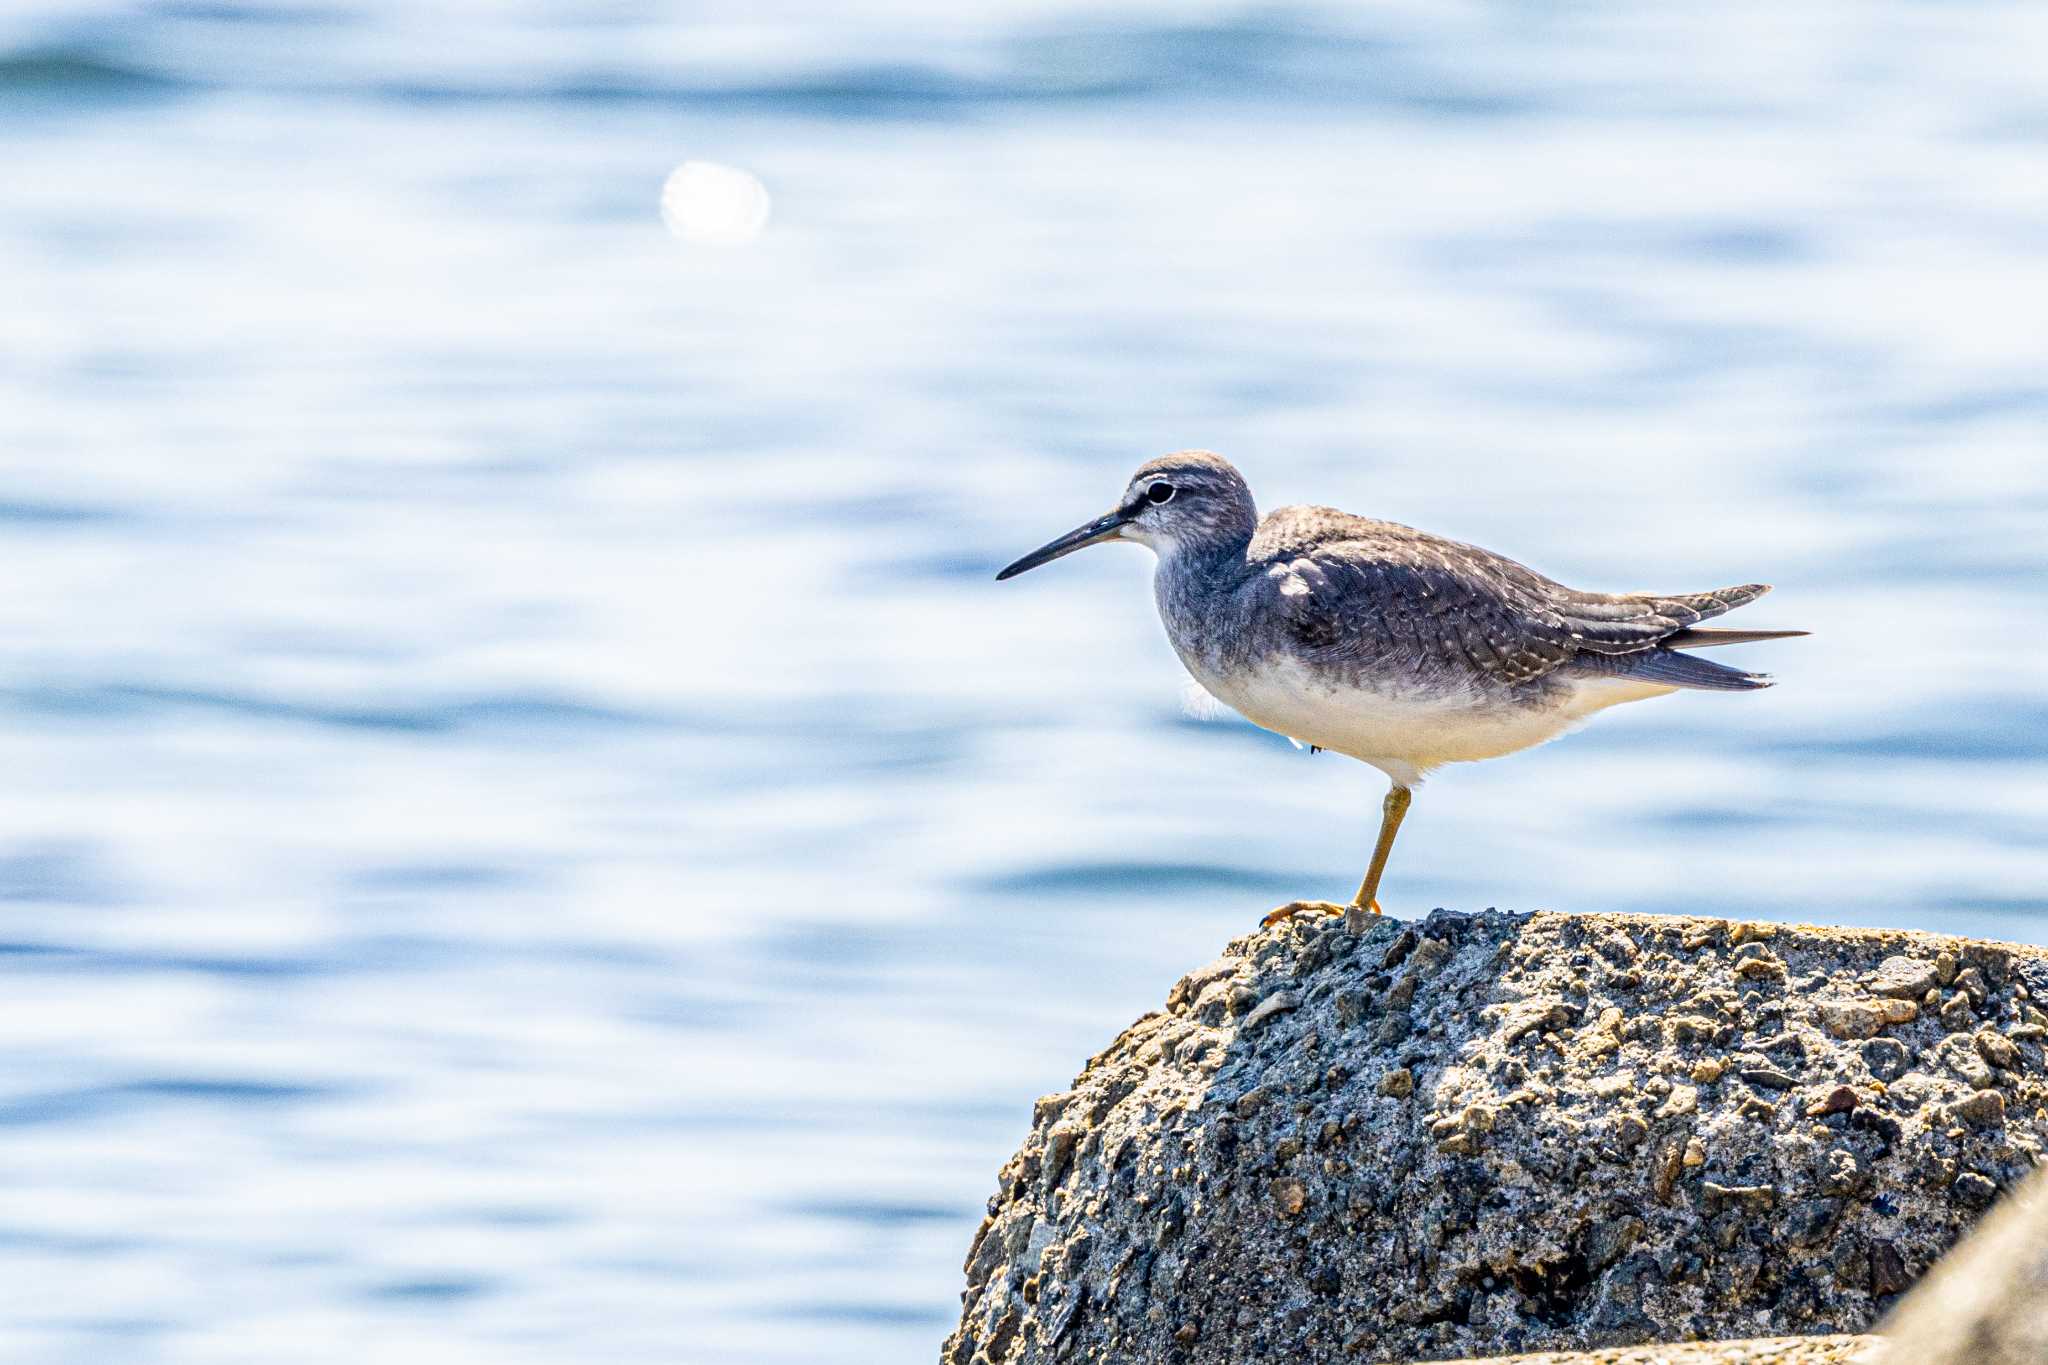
(1294, 908)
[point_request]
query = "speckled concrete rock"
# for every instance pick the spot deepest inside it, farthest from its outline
(1831, 1350)
(1480, 1134)
(1987, 1302)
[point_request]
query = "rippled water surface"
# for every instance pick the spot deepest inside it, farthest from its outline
(531, 834)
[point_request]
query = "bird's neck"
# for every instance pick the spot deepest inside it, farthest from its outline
(1198, 566)
(1193, 570)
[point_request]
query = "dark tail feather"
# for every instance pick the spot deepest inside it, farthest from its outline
(1675, 670)
(1698, 638)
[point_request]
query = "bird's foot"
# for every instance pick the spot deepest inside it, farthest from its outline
(1295, 908)
(1355, 915)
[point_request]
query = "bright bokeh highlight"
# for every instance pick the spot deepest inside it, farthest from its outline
(709, 204)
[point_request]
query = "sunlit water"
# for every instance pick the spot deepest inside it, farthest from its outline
(531, 834)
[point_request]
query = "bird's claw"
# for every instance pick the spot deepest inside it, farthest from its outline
(1294, 908)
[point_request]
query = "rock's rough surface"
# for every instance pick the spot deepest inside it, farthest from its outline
(1612, 1130)
(1986, 1303)
(1833, 1350)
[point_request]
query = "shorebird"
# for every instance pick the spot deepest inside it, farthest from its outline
(1400, 648)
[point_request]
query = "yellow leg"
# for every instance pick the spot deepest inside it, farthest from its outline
(1367, 901)
(1391, 813)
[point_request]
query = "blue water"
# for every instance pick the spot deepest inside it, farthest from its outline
(531, 834)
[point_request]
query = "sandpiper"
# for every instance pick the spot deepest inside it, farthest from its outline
(1400, 648)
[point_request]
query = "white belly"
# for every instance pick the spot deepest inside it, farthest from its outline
(1404, 731)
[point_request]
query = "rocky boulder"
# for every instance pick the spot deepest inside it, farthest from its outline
(1831, 1350)
(1987, 1302)
(1481, 1134)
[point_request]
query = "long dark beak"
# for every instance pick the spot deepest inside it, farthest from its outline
(1080, 538)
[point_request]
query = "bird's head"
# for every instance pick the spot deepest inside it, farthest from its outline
(1189, 498)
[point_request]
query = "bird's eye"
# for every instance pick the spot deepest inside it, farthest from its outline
(1158, 493)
